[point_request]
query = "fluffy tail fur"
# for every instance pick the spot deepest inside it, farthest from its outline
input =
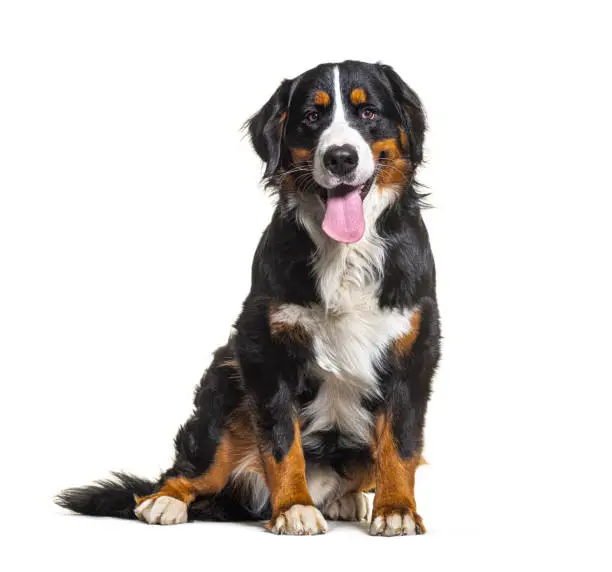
(116, 497)
(107, 497)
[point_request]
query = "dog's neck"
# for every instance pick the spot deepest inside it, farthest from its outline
(347, 275)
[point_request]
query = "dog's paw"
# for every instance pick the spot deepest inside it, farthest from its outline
(351, 506)
(299, 520)
(162, 510)
(396, 523)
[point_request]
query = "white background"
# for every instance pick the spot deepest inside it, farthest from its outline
(130, 209)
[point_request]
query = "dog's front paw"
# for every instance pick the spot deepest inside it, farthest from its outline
(298, 520)
(396, 522)
(351, 506)
(161, 510)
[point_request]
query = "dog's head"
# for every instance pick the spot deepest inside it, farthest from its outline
(334, 133)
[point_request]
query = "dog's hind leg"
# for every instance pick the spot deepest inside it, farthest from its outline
(353, 502)
(212, 443)
(169, 504)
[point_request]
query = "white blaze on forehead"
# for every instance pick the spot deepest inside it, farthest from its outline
(338, 106)
(340, 132)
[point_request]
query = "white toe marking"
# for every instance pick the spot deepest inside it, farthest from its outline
(393, 525)
(162, 510)
(364, 507)
(299, 520)
(351, 506)
(378, 525)
(294, 521)
(142, 506)
(408, 525)
(333, 511)
(157, 509)
(280, 526)
(348, 508)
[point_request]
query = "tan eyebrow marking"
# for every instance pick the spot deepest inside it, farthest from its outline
(358, 96)
(322, 98)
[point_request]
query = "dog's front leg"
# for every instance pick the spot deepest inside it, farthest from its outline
(398, 440)
(293, 511)
(394, 511)
(272, 359)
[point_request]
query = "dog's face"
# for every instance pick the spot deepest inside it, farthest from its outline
(335, 132)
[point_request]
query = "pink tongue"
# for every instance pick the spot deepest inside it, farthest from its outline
(344, 217)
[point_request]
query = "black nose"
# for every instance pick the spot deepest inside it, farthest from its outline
(341, 159)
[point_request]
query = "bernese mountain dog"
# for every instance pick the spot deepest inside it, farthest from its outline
(320, 394)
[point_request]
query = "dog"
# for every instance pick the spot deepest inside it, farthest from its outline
(320, 394)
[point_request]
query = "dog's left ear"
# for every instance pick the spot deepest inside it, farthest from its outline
(410, 109)
(266, 128)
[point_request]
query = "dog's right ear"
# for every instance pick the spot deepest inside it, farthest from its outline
(266, 128)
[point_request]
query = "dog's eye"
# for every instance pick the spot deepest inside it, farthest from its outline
(311, 117)
(368, 113)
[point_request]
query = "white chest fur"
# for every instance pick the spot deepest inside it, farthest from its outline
(350, 333)
(347, 347)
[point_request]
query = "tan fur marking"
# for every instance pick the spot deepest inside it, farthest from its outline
(212, 481)
(244, 440)
(393, 168)
(283, 117)
(299, 155)
(358, 96)
(322, 98)
(287, 478)
(388, 147)
(394, 477)
(404, 344)
(403, 138)
(236, 443)
(363, 480)
(294, 332)
(179, 488)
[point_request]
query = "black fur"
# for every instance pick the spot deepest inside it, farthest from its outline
(409, 108)
(265, 128)
(274, 378)
(107, 497)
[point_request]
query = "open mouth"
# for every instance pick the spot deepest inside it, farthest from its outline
(344, 188)
(344, 220)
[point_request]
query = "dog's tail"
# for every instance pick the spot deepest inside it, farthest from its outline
(117, 497)
(108, 497)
